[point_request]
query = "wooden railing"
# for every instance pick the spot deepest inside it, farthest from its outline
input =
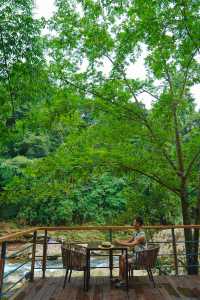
(88, 228)
(5, 240)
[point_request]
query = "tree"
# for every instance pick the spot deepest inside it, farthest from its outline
(115, 33)
(23, 77)
(20, 47)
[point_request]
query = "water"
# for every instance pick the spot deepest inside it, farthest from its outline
(52, 266)
(14, 272)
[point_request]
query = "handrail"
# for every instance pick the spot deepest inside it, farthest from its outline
(112, 227)
(17, 234)
(88, 228)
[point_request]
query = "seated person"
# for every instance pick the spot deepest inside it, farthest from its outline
(137, 242)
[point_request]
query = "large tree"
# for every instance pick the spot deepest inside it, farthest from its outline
(20, 49)
(162, 144)
(24, 82)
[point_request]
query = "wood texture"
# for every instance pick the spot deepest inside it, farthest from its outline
(90, 228)
(168, 288)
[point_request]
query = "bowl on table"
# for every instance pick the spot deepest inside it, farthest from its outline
(105, 245)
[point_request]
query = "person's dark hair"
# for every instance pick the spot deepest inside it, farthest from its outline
(139, 220)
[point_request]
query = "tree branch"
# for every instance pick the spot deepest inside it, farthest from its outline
(187, 72)
(156, 179)
(189, 168)
(168, 75)
(7, 72)
(124, 76)
(184, 15)
(147, 92)
(178, 145)
(143, 117)
(96, 94)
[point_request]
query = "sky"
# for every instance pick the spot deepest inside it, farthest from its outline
(46, 8)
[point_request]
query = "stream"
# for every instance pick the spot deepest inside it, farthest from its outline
(96, 262)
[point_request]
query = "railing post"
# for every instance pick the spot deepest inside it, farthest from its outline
(174, 251)
(33, 255)
(2, 266)
(44, 260)
(110, 235)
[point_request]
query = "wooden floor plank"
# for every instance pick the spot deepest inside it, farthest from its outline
(36, 286)
(166, 289)
(175, 285)
(140, 288)
(52, 288)
(188, 287)
(164, 294)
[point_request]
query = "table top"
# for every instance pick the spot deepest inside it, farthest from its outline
(96, 245)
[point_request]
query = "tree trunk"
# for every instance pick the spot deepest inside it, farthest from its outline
(196, 231)
(190, 240)
(196, 250)
(188, 233)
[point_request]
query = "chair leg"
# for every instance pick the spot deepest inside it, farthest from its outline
(70, 274)
(150, 274)
(132, 272)
(67, 270)
(84, 279)
(87, 278)
(152, 279)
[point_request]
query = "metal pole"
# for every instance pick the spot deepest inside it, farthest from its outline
(111, 263)
(2, 265)
(44, 261)
(87, 269)
(110, 235)
(126, 257)
(33, 256)
(174, 251)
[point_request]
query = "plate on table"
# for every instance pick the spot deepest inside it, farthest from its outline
(83, 245)
(105, 248)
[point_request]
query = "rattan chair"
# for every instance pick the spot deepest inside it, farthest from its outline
(74, 259)
(145, 260)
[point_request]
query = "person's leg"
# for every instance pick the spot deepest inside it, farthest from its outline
(122, 266)
(122, 272)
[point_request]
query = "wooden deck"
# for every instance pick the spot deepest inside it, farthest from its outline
(182, 287)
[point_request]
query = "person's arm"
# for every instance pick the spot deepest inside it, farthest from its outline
(132, 242)
(121, 242)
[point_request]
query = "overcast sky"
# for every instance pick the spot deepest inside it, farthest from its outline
(45, 8)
